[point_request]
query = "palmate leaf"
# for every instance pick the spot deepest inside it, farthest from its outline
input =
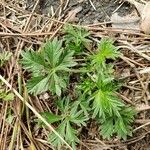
(54, 139)
(67, 132)
(78, 35)
(115, 126)
(58, 58)
(76, 38)
(120, 125)
(107, 128)
(123, 124)
(70, 115)
(72, 112)
(71, 135)
(66, 61)
(105, 104)
(33, 61)
(77, 117)
(6, 96)
(57, 83)
(50, 118)
(52, 52)
(69, 119)
(121, 128)
(106, 50)
(49, 67)
(83, 103)
(37, 85)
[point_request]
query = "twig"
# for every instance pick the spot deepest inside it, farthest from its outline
(25, 34)
(146, 124)
(133, 49)
(92, 4)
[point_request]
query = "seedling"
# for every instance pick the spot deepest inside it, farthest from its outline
(5, 95)
(106, 106)
(68, 118)
(4, 56)
(76, 39)
(49, 67)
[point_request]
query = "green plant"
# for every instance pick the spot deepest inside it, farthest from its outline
(10, 116)
(4, 56)
(76, 38)
(6, 95)
(106, 50)
(68, 120)
(49, 67)
(106, 105)
(94, 96)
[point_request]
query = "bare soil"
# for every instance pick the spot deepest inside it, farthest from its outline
(99, 12)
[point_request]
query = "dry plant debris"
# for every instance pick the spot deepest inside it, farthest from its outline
(144, 11)
(22, 29)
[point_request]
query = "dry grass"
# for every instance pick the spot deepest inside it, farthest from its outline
(20, 29)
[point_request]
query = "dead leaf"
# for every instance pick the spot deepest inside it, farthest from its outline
(72, 14)
(145, 22)
(144, 11)
(127, 22)
(44, 96)
(137, 5)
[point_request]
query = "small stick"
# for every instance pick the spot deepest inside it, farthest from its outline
(92, 4)
(26, 34)
(142, 126)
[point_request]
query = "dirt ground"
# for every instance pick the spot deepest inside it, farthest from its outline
(101, 10)
(92, 12)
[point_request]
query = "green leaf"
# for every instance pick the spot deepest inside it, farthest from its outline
(83, 104)
(106, 50)
(123, 125)
(121, 128)
(106, 104)
(53, 51)
(67, 132)
(66, 61)
(70, 116)
(72, 112)
(107, 128)
(78, 117)
(54, 139)
(50, 117)
(76, 39)
(9, 97)
(6, 96)
(10, 117)
(33, 61)
(71, 135)
(38, 85)
(4, 56)
(120, 125)
(49, 67)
